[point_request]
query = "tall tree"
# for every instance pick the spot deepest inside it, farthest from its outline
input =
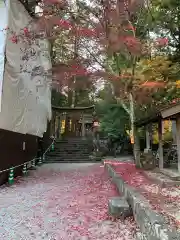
(105, 32)
(164, 21)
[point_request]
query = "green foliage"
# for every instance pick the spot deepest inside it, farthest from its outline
(58, 99)
(82, 98)
(164, 20)
(114, 120)
(105, 95)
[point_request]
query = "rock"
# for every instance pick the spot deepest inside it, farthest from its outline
(96, 156)
(119, 207)
(148, 161)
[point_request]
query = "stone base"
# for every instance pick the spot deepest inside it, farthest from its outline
(32, 168)
(96, 156)
(119, 207)
(141, 236)
(147, 161)
(147, 150)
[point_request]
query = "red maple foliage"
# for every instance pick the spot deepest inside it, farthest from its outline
(102, 31)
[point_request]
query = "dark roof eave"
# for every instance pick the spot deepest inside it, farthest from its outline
(71, 109)
(147, 120)
(155, 118)
(30, 6)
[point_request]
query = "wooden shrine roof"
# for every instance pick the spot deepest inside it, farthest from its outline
(72, 109)
(168, 112)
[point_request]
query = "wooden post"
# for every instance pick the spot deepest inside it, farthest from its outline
(83, 126)
(53, 121)
(161, 161)
(151, 134)
(58, 127)
(148, 145)
(136, 148)
(178, 141)
(174, 131)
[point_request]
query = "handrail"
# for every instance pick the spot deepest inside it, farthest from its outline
(5, 170)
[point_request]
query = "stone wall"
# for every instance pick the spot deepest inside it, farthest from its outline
(152, 225)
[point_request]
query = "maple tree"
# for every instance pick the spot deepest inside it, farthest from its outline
(167, 25)
(106, 32)
(102, 40)
(57, 20)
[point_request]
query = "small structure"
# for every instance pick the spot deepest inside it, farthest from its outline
(74, 122)
(169, 113)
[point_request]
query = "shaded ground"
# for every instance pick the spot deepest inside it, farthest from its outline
(163, 200)
(61, 201)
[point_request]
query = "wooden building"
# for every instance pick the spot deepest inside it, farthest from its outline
(169, 113)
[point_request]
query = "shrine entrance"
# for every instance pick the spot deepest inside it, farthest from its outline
(72, 122)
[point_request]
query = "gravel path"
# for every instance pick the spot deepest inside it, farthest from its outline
(61, 201)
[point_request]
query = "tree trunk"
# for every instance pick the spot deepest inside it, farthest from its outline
(136, 147)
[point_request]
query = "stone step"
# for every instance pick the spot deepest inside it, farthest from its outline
(69, 152)
(74, 143)
(68, 157)
(74, 139)
(72, 149)
(71, 161)
(119, 207)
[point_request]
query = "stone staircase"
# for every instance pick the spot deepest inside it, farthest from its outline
(70, 150)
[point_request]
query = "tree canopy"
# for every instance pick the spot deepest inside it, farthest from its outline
(133, 46)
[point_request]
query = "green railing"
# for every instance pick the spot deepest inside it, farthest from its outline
(25, 164)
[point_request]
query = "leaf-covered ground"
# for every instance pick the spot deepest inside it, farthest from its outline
(61, 202)
(164, 200)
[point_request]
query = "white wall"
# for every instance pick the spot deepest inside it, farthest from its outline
(3, 25)
(26, 97)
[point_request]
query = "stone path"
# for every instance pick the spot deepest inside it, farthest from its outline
(61, 202)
